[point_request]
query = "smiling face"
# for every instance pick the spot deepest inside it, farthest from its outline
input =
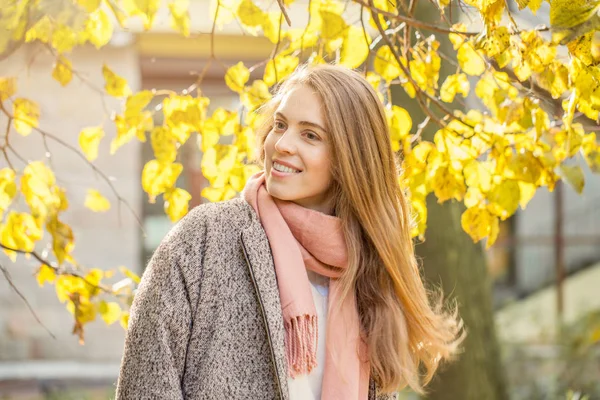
(300, 143)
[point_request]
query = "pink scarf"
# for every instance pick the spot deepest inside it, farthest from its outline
(300, 239)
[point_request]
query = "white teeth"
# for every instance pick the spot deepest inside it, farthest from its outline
(283, 168)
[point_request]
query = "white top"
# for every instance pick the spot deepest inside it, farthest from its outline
(308, 387)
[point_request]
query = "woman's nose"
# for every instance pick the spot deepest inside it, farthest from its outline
(285, 143)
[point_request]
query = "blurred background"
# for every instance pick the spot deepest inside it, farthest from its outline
(544, 270)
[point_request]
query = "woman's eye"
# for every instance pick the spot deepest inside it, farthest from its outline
(279, 125)
(311, 136)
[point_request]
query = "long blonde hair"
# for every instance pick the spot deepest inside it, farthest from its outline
(403, 330)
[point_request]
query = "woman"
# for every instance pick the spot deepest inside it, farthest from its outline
(306, 287)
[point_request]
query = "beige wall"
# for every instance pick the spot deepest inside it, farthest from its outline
(104, 240)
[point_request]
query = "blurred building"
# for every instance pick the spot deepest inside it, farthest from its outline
(31, 361)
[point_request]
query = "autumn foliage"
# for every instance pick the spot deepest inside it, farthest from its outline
(539, 91)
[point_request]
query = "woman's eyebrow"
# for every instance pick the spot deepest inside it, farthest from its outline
(305, 123)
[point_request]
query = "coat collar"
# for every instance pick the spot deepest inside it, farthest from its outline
(262, 270)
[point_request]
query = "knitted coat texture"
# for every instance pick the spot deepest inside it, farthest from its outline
(206, 322)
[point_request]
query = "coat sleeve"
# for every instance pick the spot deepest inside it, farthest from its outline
(153, 362)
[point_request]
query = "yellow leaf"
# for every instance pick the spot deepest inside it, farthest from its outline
(37, 185)
(90, 5)
(63, 241)
(425, 66)
(8, 189)
(180, 16)
(147, 9)
(45, 274)
(245, 141)
(96, 202)
(592, 158)
(89, 140)
(477, 174)
(83, 310)
(137, 102)
(400, 123)
(159, 177)
(218, 194)
(255, 95)
(456, 38)
(386, 65)
(237, 76)
(271, 27)
(8, 87)
(221, 123)
(27, 114)
(523, 167)
(63, 39)
(355, 47)
(131, 275)
(574, 175)
(41, 30)
(63, 71)
(184, 115)
(470, 60)
(279, 69)
(457, 83)
(526, 190)
(473, 197)
(124, 320)
(250, 14)
(302, 39)
(176, 203)
(534, 5)
(504, 198)
(333, 26)
(447, 185)
(134, 126)
(218, 162)
(571, 13)
(65, 285)
(479, 223)
(374, 80)
(110, 312)
(20, 232)
(99, 28)
(115, 85)
(494, 231)
(497, 41)
(163, 144)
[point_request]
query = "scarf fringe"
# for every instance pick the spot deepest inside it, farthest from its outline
(301, 334)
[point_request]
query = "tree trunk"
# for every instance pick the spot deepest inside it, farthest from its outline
(450, 259)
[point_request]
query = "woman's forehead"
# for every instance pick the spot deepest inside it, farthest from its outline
(301, 103)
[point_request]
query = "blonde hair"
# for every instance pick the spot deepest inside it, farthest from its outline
(403, 330)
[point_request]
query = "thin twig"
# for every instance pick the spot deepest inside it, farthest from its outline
(282, 7)
(16, 289)
(419, 24)
(57, 270)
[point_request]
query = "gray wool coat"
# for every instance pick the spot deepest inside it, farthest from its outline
(206, 322)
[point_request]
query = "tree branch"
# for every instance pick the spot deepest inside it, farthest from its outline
(287, 17)
(57, 270)
(11, 283)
